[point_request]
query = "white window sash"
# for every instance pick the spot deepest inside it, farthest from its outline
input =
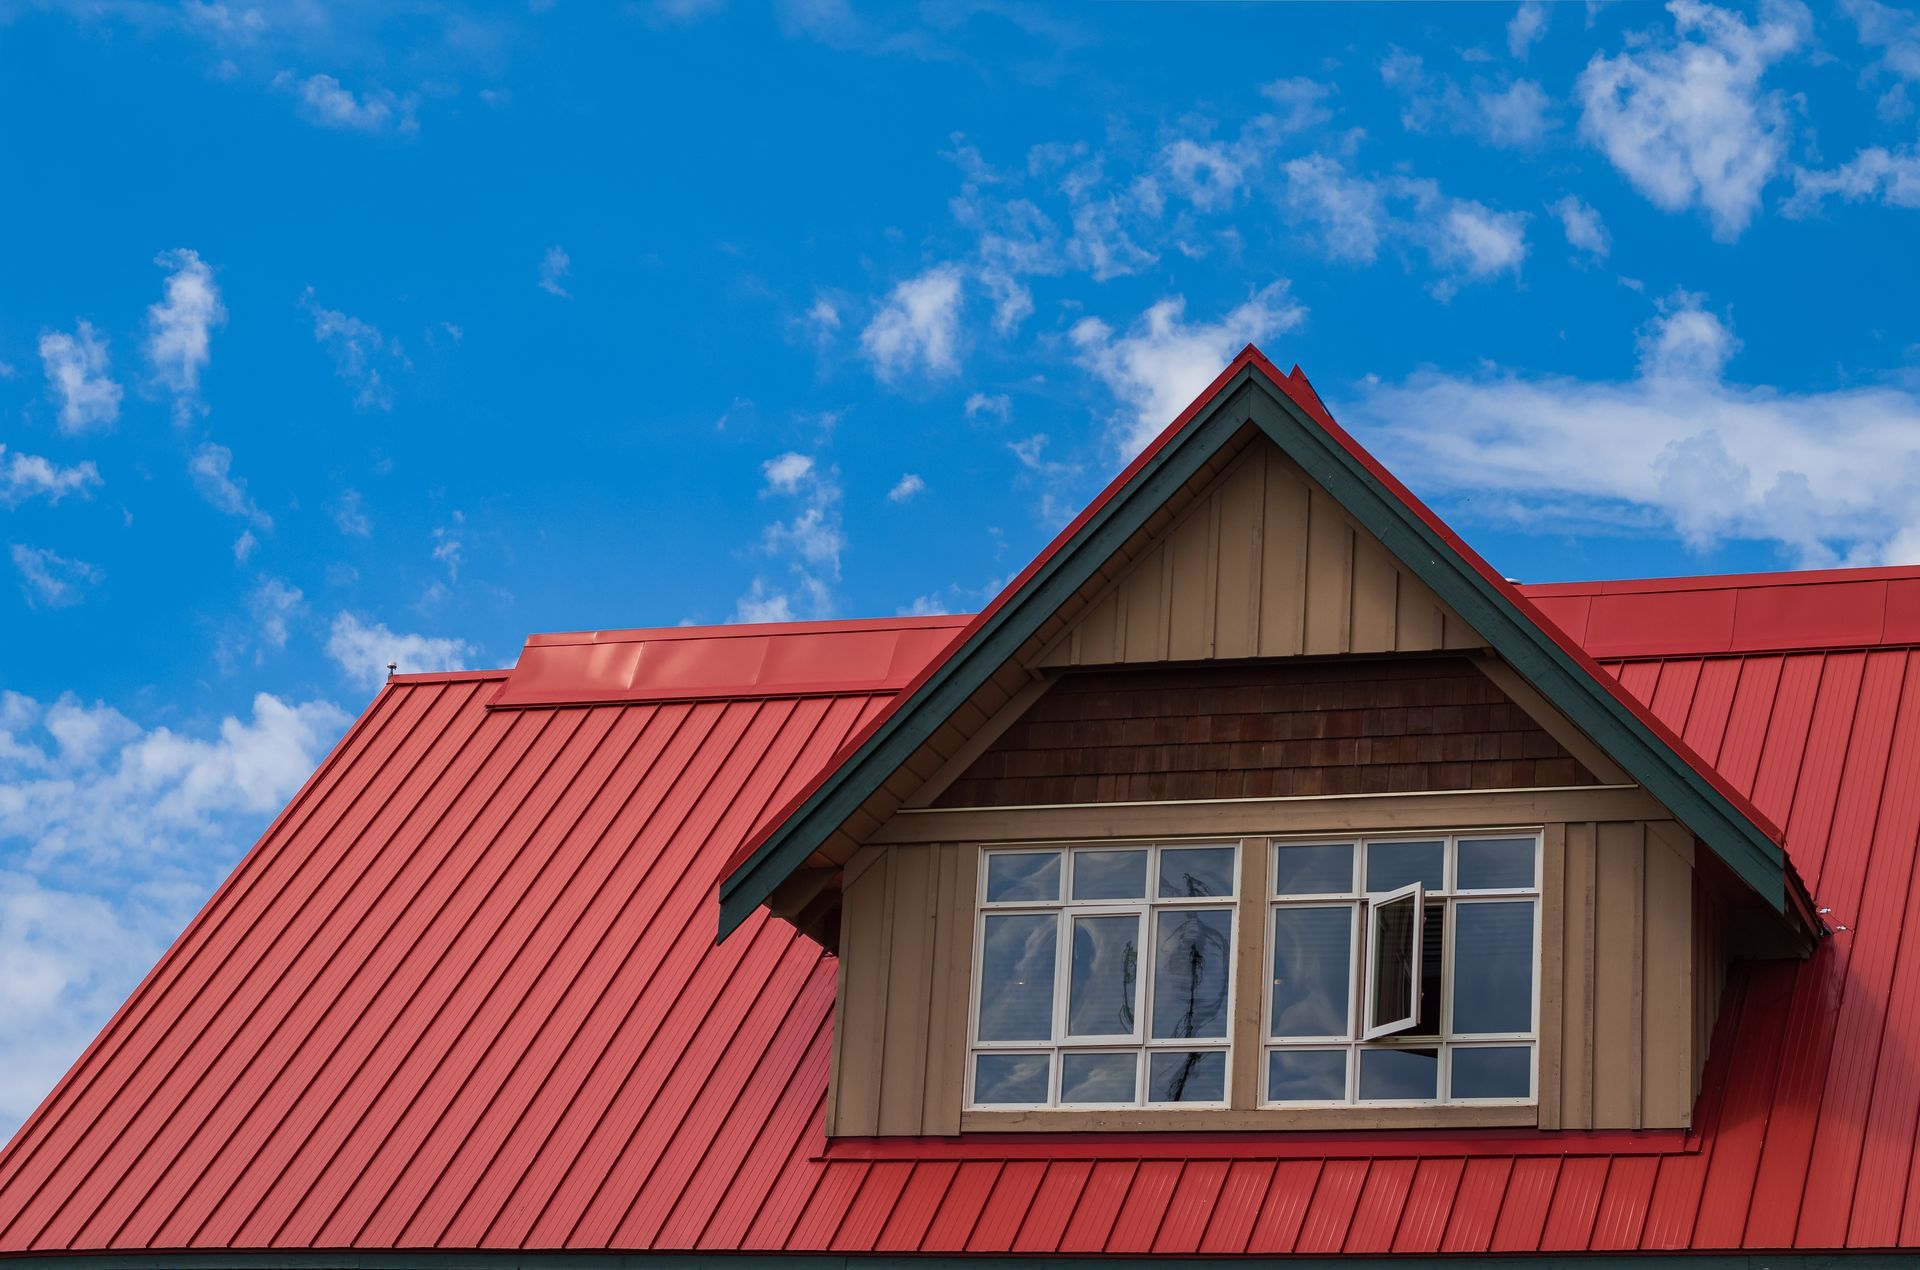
(1417, 894)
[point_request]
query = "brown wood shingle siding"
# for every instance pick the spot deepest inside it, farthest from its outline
(1266, 729)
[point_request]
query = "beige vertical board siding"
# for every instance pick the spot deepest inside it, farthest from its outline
(1619, 975)
(1666, 1083)
(906, 941)
(1262, 562)
(903, 1048)
(1576, 983)
(1553, 895)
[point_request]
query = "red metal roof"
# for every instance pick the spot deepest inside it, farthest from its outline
(464, 994)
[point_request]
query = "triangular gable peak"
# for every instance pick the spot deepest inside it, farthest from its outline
(1264, 563)
(1168, 499)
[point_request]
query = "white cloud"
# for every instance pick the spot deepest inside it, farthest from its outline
(1348, 212)
(554, 268)
(273, 605)
(1678, 448)
(1896, 31)
(1301, 103)
(810, 543)
(1891, 176)
(1686, 120)
(76, 369)
(784, 472)
(979, 405)
(905, 488)
(110, 836)
(29, 476)
(1525, 27)
(244, 546)
(1163, 361)
(449, 543)
(328, 103)
(362, 650)
(355, 347)
(180, 327)
(211, 467)
(918, 328)
(1584, 229)
(1516, 115)
(350, 515)
(52, 581)
(1208, 175)
(1350, 217)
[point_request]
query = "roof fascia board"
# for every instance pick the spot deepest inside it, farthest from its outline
(1529, 649)
(452, 1258)
(998, 637)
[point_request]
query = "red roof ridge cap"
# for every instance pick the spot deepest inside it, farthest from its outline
(752, 630)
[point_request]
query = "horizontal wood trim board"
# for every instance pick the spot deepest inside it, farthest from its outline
(1463, 809)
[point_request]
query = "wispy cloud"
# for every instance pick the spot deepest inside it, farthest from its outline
(362, 649)
(24, 477)
(211, 467)
(76, 369)
(180, 328)
(357, 349)
(1584, 229)
(555, 266)
(325, 101)
(809, 543)
(917, 329)
(52, 581)
(905, 488)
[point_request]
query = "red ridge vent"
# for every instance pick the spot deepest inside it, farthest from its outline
(686, 663)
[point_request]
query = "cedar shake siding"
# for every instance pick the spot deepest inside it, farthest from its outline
(1264, 730)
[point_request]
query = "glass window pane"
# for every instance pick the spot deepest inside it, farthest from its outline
(1392, 865)
(1306, 1075)
(1022, 876)
(1496, 864)
(1312, 971)
(1098, 1077)
(1188, 872)
(1103, 993)
(1496, 1071)
(1301, 869)
(1010, 1078)
(1110, 875)
(1016, 977)
(1193, 954)
(1400, 1074)
(1493, 967)
(1393, 967)
(1179, 1076)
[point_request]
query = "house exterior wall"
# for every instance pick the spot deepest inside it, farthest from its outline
(1621, 1032)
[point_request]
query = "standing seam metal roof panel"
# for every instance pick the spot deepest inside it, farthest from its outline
(463, 994)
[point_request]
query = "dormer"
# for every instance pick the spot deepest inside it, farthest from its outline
(1260, 802)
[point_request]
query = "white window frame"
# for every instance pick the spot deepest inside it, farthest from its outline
(1446, 1042)
(1142, 1044)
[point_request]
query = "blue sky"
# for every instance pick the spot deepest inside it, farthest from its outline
(339, 334)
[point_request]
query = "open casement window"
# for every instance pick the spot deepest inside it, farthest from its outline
(1396, 947)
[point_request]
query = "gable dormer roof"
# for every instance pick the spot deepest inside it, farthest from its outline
(1251, 392)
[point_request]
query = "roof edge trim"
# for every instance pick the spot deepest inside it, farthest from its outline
(469, 1259)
